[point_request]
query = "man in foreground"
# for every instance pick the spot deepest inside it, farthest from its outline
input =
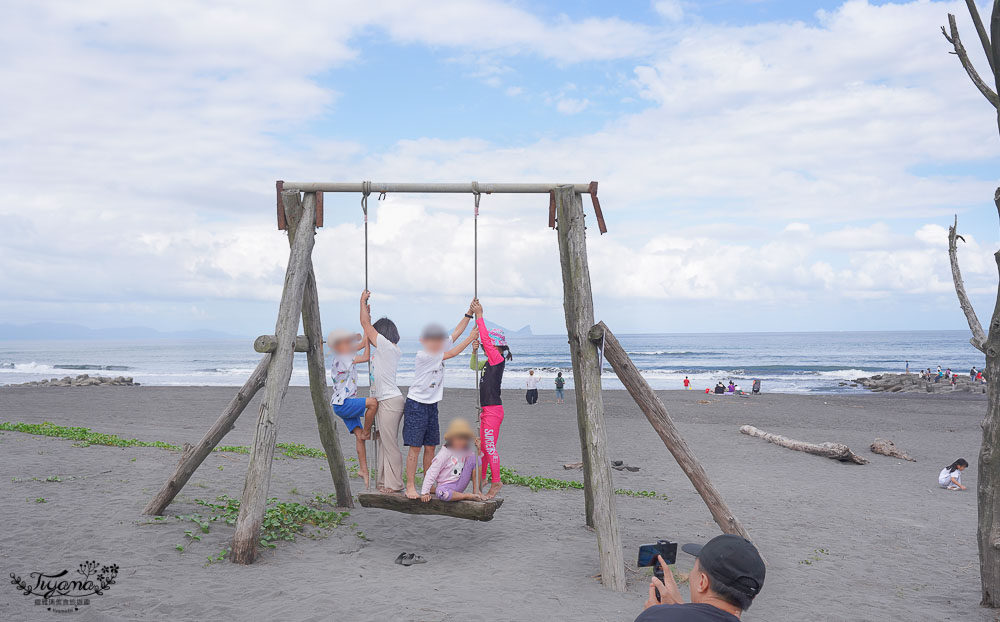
(728, 573)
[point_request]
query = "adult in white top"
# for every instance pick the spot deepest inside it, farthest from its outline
(532, 384)
(384, 336)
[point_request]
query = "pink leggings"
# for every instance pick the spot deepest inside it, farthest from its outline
(489, 434)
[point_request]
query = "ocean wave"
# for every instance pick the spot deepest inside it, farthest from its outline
(26, 368)
(671, 353)
(94, 367)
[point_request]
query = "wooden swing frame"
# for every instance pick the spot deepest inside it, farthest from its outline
(300, 212)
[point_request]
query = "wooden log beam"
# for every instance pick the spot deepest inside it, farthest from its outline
(661, 421)
(247, 535)
(886, 447)
(192, 457)
(266, 344)
(472, 510)
(834, 451)
(578, 302)
(317, 372)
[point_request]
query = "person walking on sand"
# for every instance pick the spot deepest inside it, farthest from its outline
(950, 477)
(531, 384)
(972, 373)
(687, 383)
(907, 372)
(560, 386)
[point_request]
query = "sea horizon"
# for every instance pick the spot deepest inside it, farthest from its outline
(785, 362)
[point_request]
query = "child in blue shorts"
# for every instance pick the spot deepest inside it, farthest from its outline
(358, 413)
(420, 411)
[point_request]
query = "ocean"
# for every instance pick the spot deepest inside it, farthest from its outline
(784, 362)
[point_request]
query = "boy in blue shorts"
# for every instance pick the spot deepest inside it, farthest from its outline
(420, 412)
(358, 413)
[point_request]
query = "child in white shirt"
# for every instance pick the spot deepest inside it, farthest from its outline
(420, 412)
(950, 477)
(357, 413)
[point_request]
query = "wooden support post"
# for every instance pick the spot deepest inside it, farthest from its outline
(657, 415)
(579, 305)
(247, 535)
(317, 369)
(194, 456)
(266, 344)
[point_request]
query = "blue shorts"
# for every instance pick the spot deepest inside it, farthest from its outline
(352, 411)
(559, 393)
(420, 424)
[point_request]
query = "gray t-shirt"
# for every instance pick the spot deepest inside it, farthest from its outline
(385, 359)
(687, 612)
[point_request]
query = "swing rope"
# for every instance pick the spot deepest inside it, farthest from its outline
(366, 187)
(475, 294)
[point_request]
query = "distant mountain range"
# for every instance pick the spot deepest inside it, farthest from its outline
(524, 331)
(55, 331)
(41, 331)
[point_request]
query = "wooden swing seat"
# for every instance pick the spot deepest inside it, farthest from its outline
(398, 502)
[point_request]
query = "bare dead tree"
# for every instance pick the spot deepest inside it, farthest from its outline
(988, 344)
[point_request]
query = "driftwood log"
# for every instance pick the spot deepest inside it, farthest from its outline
(472, 510)
(886, 447)
(834, 451)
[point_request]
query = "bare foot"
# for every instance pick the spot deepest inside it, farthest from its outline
(494, 489)
(411, 493)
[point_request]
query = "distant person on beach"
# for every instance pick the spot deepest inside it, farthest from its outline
(532, 385)
(947, 373)
(560, 385)
(731, 388)
(687, 383)
(497, 354)
(979, 377)
(756, 386)
(421, 429)
(728, 574)
(357, 413)
(383, 337)
(720, 388)
(907, 368)
(452, 467)
(939, 376)
(972, 373)
(950, 477)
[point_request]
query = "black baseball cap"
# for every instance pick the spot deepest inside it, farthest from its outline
(732, 560)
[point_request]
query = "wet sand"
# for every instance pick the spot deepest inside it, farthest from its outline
(843, 542)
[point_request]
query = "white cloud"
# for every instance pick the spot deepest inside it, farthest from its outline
(670, 9)
(140, 147)
(571, 105)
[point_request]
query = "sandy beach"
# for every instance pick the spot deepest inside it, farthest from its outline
(843, 542)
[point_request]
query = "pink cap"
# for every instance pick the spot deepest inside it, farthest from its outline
(497, 336)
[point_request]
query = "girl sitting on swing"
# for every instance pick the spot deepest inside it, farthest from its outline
(497, 353)
(451, 470)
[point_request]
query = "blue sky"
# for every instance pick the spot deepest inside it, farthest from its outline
(764, 165)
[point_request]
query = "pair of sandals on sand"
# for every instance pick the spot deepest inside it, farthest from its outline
(408, 559)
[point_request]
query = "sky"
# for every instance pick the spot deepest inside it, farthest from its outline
(764, 165)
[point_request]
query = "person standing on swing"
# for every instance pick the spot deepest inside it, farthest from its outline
(383, 337)
(489, 396)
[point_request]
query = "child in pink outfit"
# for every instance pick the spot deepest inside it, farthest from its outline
(489, 396)
(452, 467)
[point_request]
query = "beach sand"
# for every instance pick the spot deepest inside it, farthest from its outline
(843, 542)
